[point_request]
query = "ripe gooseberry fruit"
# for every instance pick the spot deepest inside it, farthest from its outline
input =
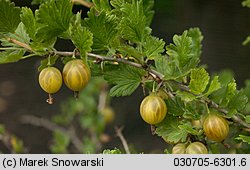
(196, 148)
(153, 109)
(179, 148)
(215, 127)
(76, 75)
(50, 80)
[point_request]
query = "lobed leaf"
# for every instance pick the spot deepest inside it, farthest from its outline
(170, 130)
(153, 47)
(167, 67)
(199, 80)
(9, 16)
(175, 106)
(244, 138)
(103, 27)
(188, 128)
(28, 19)
(224, 94)
(238, 101)
(147, 8)
(81, 37)
(102, 5)
(197, 38)
(11, 56)
(133, 24)
(214, 85)
(53, 18)
(184, 53)
(126, 80)
(185, 96)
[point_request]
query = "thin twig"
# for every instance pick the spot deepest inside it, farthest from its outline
(102, 98)
(157, 75)
(41, 122)
(19, 43)
(123, 140)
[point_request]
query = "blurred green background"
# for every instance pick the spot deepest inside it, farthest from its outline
(224, 24)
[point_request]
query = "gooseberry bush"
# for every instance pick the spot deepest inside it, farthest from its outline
(193, 111)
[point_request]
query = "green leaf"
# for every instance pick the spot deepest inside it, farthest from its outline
(246, 3)
(247, 88)
(244, 138)
(230, 92)
(175, 106)
(181, 50)
(224, 94)
(103, 27)
(199, 80)
(126, 80)
(53, 18)
(167, 67)
(9, 16)
(225, 77)
(127, 50)
(19, 35)
(238, 101)
(214, 85)
(188, 128)
(133, 24)
(147, 8)
(112, 151)
(11, 56)
(102, 5)
(170, 130)
(29, 21)
(197, 38)
(193, 110)
(182, 53)
(185, 96)
(81, 37)
(153, 47)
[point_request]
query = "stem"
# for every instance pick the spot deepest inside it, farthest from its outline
(28, 56)
(11, 48)
(123, 140)
(21, 44)
(41, 122)
(156, 75)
